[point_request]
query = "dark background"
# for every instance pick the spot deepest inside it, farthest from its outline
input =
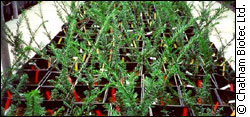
(21, 5)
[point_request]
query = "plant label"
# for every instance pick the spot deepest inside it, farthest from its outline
(233, 113)
(98, 113)
(76, 96)
(83, 57)
(113, 95)
(60, 40)
(48, 95)
(215, 107)
(185, 111)
(50, 111)
(37, 74)
(7, 104)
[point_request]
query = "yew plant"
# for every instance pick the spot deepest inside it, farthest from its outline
(20, 49)
(139, 29)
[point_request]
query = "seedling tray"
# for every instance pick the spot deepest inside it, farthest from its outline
(43, 70)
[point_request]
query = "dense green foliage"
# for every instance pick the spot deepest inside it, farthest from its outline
(175, 55)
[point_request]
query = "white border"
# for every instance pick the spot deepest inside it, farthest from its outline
(242, 107)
